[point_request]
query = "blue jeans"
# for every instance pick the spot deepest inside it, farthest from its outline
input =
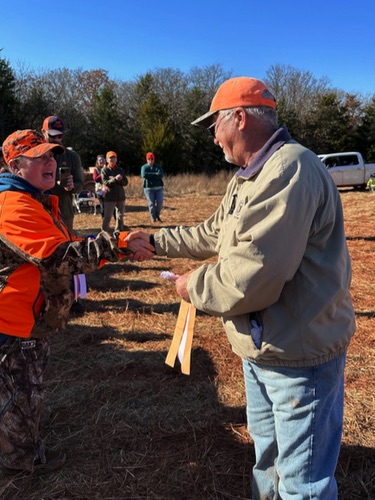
(295, 417)
(154, 199)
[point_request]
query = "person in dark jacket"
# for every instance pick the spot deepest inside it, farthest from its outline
(39, 261)
(152, 175)
(114, 180)
(53, 131)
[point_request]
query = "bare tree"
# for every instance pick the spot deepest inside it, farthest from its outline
(155, 110)
(296, 89)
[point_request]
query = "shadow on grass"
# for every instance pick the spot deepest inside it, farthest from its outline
(135, 428)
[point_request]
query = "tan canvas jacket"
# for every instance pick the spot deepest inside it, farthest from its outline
(282, 259)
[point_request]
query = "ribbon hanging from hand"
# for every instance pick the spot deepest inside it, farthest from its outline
(182, 338)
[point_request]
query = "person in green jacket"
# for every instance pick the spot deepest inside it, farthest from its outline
(114, 180)
(152, 175)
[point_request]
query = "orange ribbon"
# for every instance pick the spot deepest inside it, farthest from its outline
(182, 338)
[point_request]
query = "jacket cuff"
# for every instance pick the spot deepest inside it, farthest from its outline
(152, 242)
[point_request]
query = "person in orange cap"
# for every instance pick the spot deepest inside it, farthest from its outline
(114, 181)
(280, 283)
(39, 261)
(152, 175)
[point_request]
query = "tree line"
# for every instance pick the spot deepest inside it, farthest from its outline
(154, 111)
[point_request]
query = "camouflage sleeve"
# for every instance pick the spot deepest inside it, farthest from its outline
(83, 256)
(57, 271)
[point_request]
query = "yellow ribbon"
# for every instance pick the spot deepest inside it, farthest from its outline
(182, 338)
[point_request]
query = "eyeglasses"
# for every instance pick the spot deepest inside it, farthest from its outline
(211, 129)
(214, 126)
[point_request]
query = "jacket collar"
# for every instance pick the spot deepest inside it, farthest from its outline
(278, 139)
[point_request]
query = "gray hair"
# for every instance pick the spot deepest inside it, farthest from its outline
(262, 113)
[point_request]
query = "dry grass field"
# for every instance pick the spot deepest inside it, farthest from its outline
(133, 427)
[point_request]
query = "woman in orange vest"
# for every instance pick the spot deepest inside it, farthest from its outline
(39, 261)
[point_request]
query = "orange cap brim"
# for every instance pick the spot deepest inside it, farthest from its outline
(41, 149)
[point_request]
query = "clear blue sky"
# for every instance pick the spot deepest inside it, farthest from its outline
(329, 38)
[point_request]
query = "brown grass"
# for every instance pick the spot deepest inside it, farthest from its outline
(135, 428)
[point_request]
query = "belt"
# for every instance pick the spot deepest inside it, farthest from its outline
(23, 343)
(27, 344)
(19, 342)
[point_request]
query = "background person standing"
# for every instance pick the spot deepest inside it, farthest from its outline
(53, 132)
(152, 175)
(114, 181)
(97, 178)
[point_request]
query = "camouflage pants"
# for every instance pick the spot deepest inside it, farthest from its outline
(21, 401)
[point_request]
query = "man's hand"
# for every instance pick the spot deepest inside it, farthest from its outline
(139, 244)
(181, 286)
(69, 184)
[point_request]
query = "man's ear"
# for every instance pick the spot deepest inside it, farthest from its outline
(241, 116)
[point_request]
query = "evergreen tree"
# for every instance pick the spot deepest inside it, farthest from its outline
(155, 126)
(104, 129)
(367, 132)
(8, 99)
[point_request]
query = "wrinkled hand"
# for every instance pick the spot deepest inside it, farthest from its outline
(181, 286)
(139, 244)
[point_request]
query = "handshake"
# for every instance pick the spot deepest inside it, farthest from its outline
(139, 248)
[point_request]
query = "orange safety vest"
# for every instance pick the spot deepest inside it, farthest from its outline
(30, 230)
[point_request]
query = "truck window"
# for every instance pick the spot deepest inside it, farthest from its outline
(331, 162)
(348, 160)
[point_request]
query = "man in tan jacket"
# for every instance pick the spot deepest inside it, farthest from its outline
(281, 286)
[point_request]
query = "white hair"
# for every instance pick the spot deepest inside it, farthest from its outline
(262, 113)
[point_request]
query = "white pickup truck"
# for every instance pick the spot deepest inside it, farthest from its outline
(348, 169)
